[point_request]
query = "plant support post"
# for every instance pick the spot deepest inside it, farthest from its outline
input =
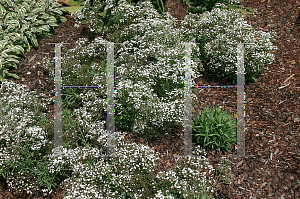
(57, 103)
(240, 101)
(110, 122)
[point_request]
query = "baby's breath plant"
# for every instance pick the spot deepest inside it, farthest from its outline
(214, 129)
(191, 178)
(149, 93)
(223, 26)
(24, 142)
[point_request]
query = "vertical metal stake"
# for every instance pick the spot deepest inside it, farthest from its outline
(57, 104)
(110, 122)
(187, 107)
(240, 101)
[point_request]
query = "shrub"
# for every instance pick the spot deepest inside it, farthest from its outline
(214, 130)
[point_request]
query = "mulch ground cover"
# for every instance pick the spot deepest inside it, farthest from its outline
(271, 106)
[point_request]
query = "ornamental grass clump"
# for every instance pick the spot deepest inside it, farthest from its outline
(214, 129)
(221, 29)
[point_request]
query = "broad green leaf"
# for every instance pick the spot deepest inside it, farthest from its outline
(34, 30)
(25, 26)
(33, 40)
(44, 16)
(3, 43)
(17, 49)
(39, 9)
(14, 56)
(53, 25)
(63, 19)
(2, 10)
(58, 11)
(4, 54)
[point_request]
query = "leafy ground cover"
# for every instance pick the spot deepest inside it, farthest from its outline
(163, 146)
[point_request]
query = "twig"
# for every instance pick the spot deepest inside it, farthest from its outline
(281, 102)
(289, 78)
(283, 86)
(32, 58)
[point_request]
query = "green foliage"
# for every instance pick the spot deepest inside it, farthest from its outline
(24, 142)
(214, 130)
(219, 31)
(21, 21)
(99, 16)
(200, 6)
(222, 171)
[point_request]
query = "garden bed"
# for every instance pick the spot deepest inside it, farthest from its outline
(272, 111)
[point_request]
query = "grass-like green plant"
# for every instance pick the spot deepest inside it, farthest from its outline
(222, 170)
(214, 129)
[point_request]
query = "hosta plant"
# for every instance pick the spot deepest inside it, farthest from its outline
(222, 29)
(21, 22)
(214, 130)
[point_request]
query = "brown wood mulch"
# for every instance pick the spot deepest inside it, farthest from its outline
(271, 106)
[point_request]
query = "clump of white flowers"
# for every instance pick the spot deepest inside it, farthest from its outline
(224, 29)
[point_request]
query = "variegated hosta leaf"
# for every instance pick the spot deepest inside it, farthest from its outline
(58, 11)
(2, 10)
(12, 25)
(38, 23)
(3, 44)
(10, 74)
(32, 38)
(51, 19)
(44, 28)
(11, 3)
(17, 49)
(14, 36)
(12, 60)
(39, 9)
(25, 25)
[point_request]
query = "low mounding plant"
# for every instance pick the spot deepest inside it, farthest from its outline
(149, 93)
(21, 21)
(222, 28)
(214, 129)
(27, 164)
(24, 143)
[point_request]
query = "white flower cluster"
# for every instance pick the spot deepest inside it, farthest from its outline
(224, 28)
(18, 130)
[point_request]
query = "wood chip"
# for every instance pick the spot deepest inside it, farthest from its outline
(263, 185)
(289, 78)
(32, 58)
(239, 164)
